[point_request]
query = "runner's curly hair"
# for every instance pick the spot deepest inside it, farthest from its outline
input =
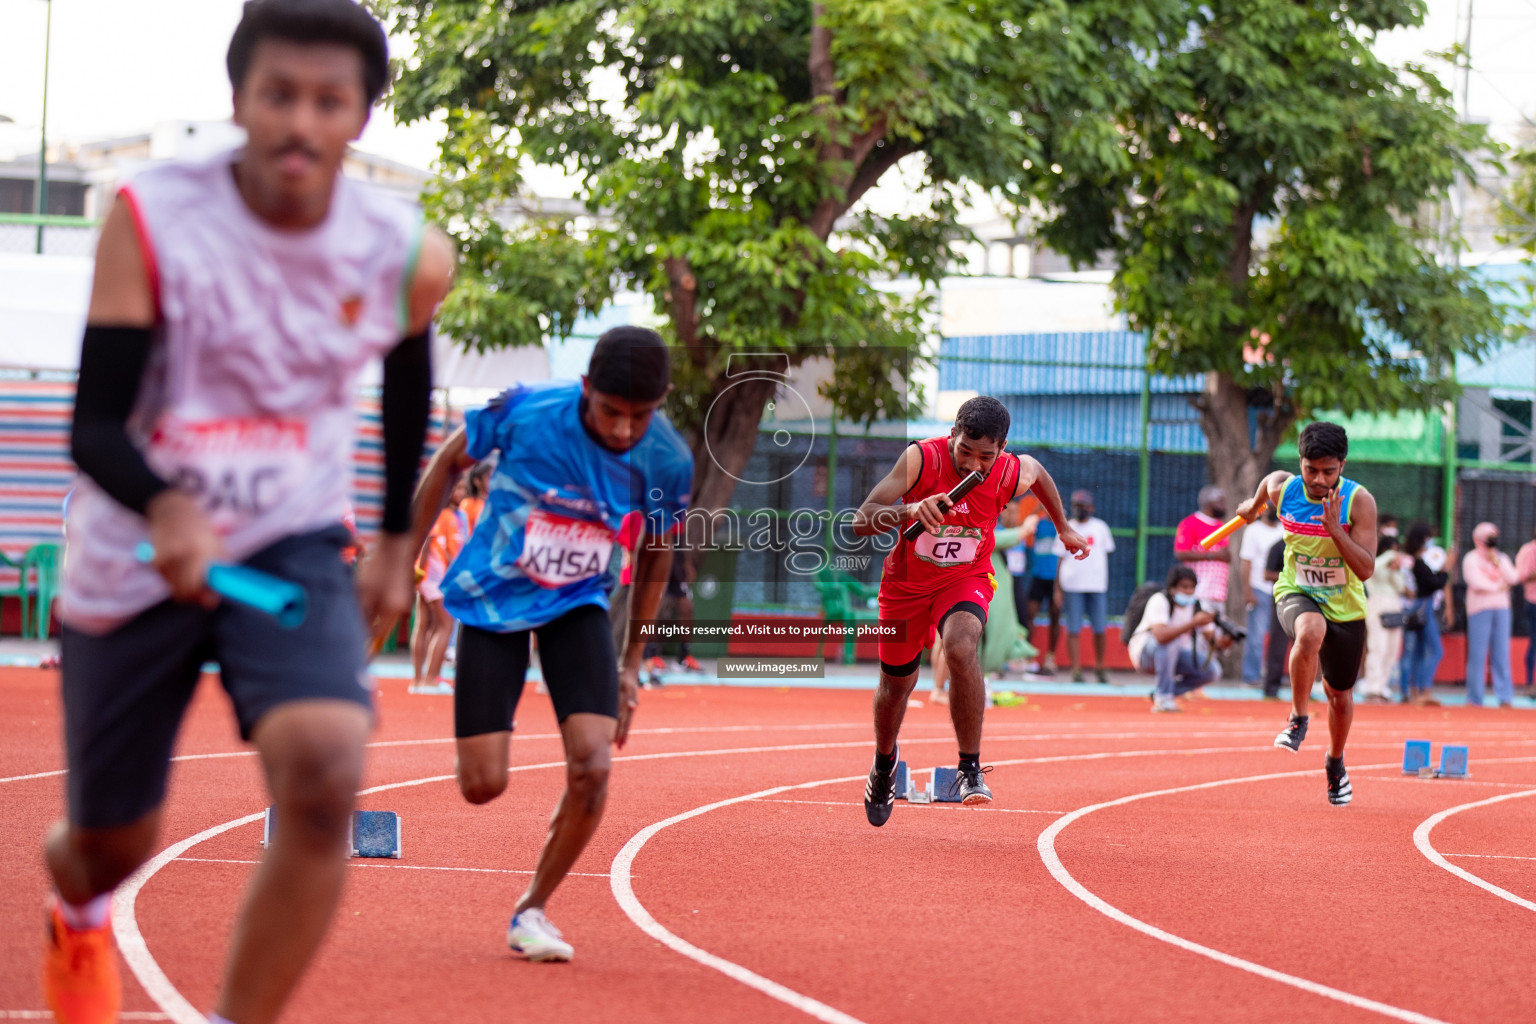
(312, 21)
(1323, 440)
(983, 417)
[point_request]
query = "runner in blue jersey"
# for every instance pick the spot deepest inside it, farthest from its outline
(573, 460)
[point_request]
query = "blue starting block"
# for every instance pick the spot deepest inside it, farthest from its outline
(369, 833)
(903, 781)
(945, 786)
(1453, 762)
(1415, 756)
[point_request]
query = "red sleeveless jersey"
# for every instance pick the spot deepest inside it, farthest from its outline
(964, 545)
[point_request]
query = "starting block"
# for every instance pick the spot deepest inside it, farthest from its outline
(945, 786)
(369, 833)
(1415, 756)
(903, 781)
(1453, 762)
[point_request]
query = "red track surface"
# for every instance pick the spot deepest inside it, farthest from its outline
(944, 914)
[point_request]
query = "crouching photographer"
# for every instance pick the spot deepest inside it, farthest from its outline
(1176, 637)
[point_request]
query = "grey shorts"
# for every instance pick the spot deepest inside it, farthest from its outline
(125, 691)
(1343, 645)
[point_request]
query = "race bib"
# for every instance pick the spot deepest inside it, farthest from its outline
(558, 551)
(1045, 546)
(957, 545)
(1016, 561)
(239, 469)
(1321, 573)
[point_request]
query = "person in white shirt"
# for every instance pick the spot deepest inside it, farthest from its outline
(1084, 585)
(1174, 640)
(1258, 538)
(1384, 620)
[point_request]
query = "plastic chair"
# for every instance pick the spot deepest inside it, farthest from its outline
(846, 600)
(43, 559)
(19, 591)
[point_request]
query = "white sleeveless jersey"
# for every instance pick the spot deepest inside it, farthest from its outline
(248, 399)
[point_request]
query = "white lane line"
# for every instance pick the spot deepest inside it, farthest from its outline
(1426, 846)
(48, 1015)
(1488, 856)
(1047, 847)
(135, 950)
(398, 867)
(624, 892)
(1243, 729)
(936, 807)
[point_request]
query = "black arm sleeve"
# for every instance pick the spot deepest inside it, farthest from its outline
(112, 361)
(407, 404)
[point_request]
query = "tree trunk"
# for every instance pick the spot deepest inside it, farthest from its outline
(723, 444)
(1237, 458)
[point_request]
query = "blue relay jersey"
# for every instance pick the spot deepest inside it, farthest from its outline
(1043, 559)
(542, 545)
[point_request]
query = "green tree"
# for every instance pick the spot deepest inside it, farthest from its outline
(721, 149)
(1273, 215)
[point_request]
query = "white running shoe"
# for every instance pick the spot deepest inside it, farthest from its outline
(1161, 703)
(532, 935)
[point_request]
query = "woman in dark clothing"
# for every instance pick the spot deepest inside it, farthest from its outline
(1421, 646)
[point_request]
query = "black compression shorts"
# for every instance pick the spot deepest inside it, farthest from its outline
(1343, 644)
(575, 653)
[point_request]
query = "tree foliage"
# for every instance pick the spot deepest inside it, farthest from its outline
(721, 150)
(1274, 215)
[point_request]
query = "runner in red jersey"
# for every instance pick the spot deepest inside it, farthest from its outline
(943, 581)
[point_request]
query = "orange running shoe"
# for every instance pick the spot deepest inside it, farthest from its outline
(690, 664)
(80, 975)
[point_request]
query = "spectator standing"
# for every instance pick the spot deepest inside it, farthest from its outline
(1003, 637)
(1043, 563)
(1488, 574)
(1383, 620)
(434, 626)
(1211, 567)
(1525, 567)
(1421, 642)
(1258, 539)
(1172, 640)
(1084, 584)
(1277, 655)
(1027, 510)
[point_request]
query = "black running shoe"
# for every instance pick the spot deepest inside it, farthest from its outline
(973, 788)
(1339, 790)
(1294, 732)
(880, 793)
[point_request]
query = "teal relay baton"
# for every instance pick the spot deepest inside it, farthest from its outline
(285, 601)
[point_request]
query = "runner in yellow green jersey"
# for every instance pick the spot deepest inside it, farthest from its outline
(1330, 551)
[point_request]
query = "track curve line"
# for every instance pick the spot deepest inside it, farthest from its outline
(1427, 847)
(619, 874)
(135, 950)
(1047, 847)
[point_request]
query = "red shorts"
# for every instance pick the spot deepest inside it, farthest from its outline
(921, 611)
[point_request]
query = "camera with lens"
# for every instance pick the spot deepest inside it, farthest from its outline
(1237, 633)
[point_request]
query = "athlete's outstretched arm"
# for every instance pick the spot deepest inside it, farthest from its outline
(113, 355)
(648, 576)
(1269, 492)
(1358, 543)
(384, 582)
(883, 510)
(1032, 475)
(442, 472)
